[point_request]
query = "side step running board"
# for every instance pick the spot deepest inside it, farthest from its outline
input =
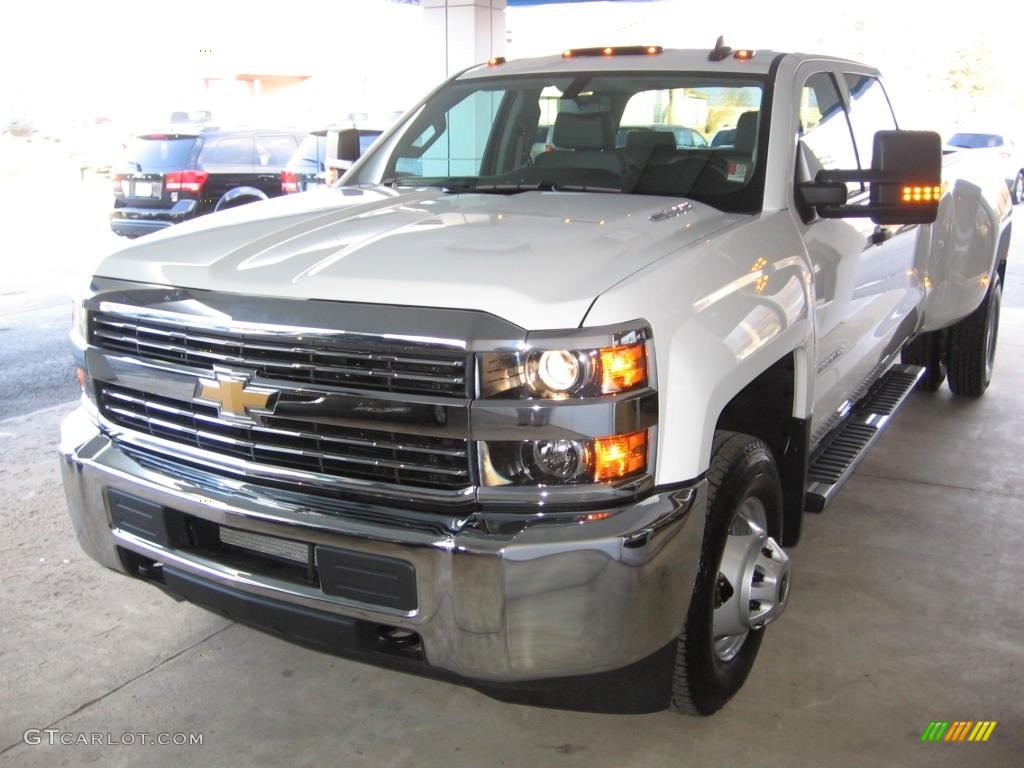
(849, 442)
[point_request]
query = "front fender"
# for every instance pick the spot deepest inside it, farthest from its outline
(722, 312)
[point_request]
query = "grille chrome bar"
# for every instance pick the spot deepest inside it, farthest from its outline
(440, 463)
(341, 360)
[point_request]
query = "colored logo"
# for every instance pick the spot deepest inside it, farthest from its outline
(234, 397)
(958, 730)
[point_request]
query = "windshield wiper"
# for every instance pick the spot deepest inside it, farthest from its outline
(462, 184)
(584, 188)
(541, 186)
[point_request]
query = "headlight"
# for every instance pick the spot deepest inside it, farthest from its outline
(546, 369)
(79, 323)
(567, 417)
(558, 371)
(79, 341)
(608, 459)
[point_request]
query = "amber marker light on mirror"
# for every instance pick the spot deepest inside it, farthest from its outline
(921, 194)
(80, 376)
(619, 456)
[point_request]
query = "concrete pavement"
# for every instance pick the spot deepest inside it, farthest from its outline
(906, 609)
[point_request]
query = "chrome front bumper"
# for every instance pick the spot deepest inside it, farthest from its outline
(553, 600)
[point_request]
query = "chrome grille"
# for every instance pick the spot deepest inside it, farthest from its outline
(440, 463)
(342, 360)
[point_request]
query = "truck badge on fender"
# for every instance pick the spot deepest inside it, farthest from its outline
(233, 396)
(831, 358)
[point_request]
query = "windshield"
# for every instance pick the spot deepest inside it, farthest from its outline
(638, 133)
(975, 140)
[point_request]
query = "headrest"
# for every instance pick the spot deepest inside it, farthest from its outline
(575, 130)
(644, 139)
(746, 133)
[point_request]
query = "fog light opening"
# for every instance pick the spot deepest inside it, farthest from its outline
(398, 637)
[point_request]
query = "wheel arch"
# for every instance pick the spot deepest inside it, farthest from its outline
(1003, 251)
(766, 408)
(239, 196)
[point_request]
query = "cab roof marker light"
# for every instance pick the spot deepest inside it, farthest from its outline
(619, 50)
(743, 54)
(496, 61)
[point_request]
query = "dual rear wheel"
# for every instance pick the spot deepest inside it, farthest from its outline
(963, 354)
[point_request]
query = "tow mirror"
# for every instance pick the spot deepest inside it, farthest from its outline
(342, 151)
(905, 181)
(348, 144)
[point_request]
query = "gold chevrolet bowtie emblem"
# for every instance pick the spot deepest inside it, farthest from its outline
(233, 396)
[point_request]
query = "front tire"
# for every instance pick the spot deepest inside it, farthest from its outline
(971, 350)
(743, 582)
(1017, 190)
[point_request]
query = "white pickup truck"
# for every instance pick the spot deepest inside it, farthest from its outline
(538, 421)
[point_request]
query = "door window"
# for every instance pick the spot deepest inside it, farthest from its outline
(826, 141)
(869, 112)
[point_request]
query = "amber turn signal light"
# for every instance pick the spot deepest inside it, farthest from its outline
(618, 456)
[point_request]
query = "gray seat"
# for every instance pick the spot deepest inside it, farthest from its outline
(639, 140)
(734, 165)
(583, 140)
(746, 134)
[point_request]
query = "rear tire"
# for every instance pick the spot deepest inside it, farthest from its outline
(744, 576)
(971, 348)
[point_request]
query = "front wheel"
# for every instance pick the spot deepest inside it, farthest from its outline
(744, 576)
(1017, 190)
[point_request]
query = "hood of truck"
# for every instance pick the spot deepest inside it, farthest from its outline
(537, 259)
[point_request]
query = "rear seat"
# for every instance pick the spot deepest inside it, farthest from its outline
(673, 172)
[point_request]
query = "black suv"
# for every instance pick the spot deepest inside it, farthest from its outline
(166, 177)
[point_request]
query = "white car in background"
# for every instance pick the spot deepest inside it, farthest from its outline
(1003, 150)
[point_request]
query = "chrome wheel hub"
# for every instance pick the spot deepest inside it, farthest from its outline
(753, 580)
